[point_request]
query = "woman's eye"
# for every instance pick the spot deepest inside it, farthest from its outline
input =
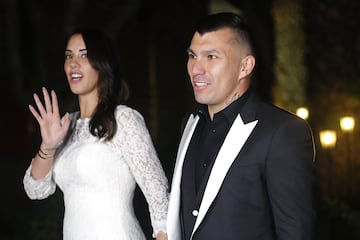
(68, 56)
(84, 55)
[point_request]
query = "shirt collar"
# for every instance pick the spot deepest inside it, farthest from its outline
(230, 112)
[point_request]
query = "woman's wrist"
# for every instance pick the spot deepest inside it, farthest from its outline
(46, 152)
(48, 148)
(45, 155)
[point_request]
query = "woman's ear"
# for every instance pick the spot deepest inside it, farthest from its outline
(246, 66)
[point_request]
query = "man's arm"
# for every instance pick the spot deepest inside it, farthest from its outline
(290, 178)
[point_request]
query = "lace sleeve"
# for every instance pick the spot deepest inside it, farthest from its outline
(38, 188)
(137, 148)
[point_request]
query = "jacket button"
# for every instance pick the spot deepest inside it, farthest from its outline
(195, 213)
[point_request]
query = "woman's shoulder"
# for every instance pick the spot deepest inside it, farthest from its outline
(74, 115)
(124, 111)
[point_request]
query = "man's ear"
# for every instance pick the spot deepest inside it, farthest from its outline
(246, 66)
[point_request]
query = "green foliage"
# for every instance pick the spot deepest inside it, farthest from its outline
(290, 72)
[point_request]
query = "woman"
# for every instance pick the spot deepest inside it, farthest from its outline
(97, 155)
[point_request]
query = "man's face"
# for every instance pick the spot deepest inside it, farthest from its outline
(214, 67)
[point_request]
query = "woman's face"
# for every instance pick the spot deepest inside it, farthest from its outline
(81, 76)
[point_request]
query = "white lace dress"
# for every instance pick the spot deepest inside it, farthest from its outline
(98, 180)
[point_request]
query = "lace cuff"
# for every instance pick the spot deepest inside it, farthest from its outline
(38, 188)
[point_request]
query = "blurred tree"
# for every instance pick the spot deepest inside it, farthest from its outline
(258, 13)
(332, 38)
(290, 71)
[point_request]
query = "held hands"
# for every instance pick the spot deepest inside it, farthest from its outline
(161, 236)
(52, 129)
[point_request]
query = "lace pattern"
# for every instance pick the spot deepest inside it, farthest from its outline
(135, 144)
(38, 188)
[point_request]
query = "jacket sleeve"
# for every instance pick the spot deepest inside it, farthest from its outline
(290, 176)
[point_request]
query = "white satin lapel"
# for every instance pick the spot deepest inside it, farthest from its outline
(234, 141)
(173, 219)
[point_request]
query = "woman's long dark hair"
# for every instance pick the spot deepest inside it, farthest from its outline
(112, 89)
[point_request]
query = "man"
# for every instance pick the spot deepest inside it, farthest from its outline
(244, 168)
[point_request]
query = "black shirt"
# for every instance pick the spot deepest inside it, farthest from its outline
(204, 146)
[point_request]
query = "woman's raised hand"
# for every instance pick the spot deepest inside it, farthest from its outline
(52, 129)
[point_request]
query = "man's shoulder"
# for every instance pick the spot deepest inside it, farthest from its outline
(268, 108)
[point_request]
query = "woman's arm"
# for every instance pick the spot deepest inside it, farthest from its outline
(37, 181)
(139, 152)
(52, 130)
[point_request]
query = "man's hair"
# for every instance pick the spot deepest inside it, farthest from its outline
(221, 20)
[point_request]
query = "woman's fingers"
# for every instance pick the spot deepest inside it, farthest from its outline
(48, 106)
(51, 105)
(39, 105)
(35, 113)
(48, 116)
(66, 122)
(55, 105)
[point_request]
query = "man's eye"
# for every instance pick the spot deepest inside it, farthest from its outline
(212, 57)
(191, 56)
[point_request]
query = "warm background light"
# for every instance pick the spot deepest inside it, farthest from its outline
(328, 138)
(347, 124)
(302, 112)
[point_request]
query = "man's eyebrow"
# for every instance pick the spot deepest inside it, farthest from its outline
(189, 50)
(209, 51)
(204, 52)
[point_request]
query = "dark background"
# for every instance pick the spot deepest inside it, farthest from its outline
(307, 55)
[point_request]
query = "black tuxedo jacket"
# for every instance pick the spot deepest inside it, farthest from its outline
(261, 184)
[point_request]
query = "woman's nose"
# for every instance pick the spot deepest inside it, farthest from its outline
(74, 62)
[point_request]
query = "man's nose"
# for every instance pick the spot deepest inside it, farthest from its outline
(197, 67)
